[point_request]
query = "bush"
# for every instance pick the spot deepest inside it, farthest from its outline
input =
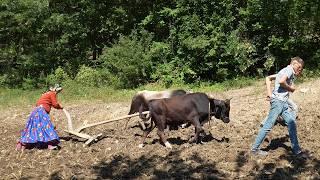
(88, 76)
(11, 79)
(172, 73)
(2, 80)
(128, 62)
(59, 76)
(160, 52)
(29, 83)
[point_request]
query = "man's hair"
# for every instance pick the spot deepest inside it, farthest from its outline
(297, 59)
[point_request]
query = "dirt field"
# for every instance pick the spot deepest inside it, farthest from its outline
(224, 155)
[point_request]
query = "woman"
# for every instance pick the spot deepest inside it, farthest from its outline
(39, 130)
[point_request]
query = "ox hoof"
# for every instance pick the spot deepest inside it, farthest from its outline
(168, 145)
(141, 145)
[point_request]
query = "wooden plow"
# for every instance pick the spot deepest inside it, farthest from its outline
(89, 138)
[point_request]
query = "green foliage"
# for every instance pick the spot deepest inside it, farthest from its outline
(29, 83)
(12, 79)
(59, 76)
(172, 73)
(165, 73)
(88, 76)
(21, 39)
(166, 41)
(315, 60)
(198, 42)
(165, 70)
(128, 60)
(160, 52)
(282, 29)
(2, 80)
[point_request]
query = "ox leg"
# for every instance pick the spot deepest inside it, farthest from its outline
(146, 132)
(142, 124)
(163, 138)
(198, 130)
(161, 127)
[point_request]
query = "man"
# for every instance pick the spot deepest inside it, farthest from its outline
(292, 106)
(279, 106)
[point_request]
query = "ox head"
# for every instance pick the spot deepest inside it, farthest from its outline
(220, 109)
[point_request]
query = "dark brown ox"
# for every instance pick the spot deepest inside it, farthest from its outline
(141, 99)
(193, 108)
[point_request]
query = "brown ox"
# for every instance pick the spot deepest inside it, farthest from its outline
(193, 108)
(141, 99)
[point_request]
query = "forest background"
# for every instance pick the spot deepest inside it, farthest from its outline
(126, 44)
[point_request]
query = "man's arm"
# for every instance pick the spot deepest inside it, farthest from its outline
(269, 79)
(283, 83)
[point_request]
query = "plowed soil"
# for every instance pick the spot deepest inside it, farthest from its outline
(223, 155)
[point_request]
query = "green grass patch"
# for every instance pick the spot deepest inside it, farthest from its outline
(205, 86)
(18, 97)
(75, 92)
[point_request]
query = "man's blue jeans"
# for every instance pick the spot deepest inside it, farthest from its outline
(279, 108)
(292, 107)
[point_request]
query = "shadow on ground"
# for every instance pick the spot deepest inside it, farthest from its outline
(295, 167)
(157, 167)
(270, 169)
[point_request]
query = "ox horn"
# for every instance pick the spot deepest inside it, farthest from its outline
(210, 96)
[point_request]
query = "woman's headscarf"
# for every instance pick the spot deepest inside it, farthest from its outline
(56, 88)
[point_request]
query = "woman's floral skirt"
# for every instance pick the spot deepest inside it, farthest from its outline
(39, 128)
